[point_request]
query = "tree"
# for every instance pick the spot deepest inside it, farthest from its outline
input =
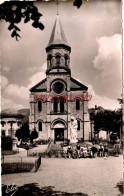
(14, 11)
(107, 120)
(120, 101)
(78, 3)
(34, 135)
(23, 132)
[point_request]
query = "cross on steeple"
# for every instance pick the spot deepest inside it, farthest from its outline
(57, 3)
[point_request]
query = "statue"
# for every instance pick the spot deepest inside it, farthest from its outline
(73, 127)
(15, 140)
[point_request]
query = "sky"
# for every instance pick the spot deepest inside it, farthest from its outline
(94, 33)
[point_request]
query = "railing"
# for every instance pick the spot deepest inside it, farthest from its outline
(16, 159)
(20, 164)
(37, 163)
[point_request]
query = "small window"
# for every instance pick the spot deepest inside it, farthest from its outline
(62, 102)
(3, 133)
(66, 60)
(58, 60)
(78, 125)
(19, 123)
(39, 106)
(2, 123)
(40, 126)
(55, 104)
(50, 60)
(77, 104)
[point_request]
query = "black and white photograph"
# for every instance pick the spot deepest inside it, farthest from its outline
(61, 98)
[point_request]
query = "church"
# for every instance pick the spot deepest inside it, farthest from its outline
(58, 98)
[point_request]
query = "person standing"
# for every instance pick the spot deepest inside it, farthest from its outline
(101, 150)
(93, 150)
(78, 149)
(85, 151)
(69, 152)
(106, 150)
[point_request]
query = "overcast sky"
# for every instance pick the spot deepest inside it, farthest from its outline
(94, 34)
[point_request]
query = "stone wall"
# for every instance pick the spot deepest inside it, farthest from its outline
(47, 117)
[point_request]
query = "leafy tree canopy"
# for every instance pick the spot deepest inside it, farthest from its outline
(14, 11)
(23, 132)
(34, 134)
(78, 3)
(108, 120)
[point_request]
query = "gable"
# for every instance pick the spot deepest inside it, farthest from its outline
(75, 85)
(40, 87)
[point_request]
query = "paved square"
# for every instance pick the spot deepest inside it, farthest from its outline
(97, 176)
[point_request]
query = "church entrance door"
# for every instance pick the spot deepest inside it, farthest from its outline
(59, 134)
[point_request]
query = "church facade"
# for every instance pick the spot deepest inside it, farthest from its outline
(59, 97)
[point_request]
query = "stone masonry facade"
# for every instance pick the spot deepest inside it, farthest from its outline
(58, 97)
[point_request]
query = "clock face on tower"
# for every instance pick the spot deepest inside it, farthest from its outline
(58, 87)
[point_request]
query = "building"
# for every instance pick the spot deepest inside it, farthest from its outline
(11, 120)
(58, 98)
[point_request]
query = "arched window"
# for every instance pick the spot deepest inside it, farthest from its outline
(39, 106)
(40, 126)
(50, 60)
(2, 123)
(78, 125)
(77, 104)
(62, 104)
(55, 104)
(66, 60)
(58, 59)
(3, 133)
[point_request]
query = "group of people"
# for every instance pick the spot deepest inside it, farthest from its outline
(87, 151)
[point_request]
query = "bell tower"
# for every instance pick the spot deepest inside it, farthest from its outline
(52, 116)
(58, 50)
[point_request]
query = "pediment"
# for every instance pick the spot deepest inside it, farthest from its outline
(40, 87)
(76, 85)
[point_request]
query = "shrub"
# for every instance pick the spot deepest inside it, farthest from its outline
(34, 135)
(10, 152)
(80, 140)
(6, 143)
(41, 141)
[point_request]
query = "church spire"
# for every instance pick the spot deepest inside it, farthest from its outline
(57, 37)
(57, 3)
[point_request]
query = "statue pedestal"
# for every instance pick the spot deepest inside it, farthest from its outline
(73, 141)
(14, 144)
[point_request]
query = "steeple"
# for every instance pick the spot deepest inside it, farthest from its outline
(57, 38)
(58, 50)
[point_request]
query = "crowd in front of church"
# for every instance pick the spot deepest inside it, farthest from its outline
(85, 151)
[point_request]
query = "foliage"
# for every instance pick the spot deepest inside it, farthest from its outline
(6, 143)
(13, 12)
(34, 135)
(120, 101)
(78, 3)
(9, 152)
(107, 120)
(23, 132)
(41, 141)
